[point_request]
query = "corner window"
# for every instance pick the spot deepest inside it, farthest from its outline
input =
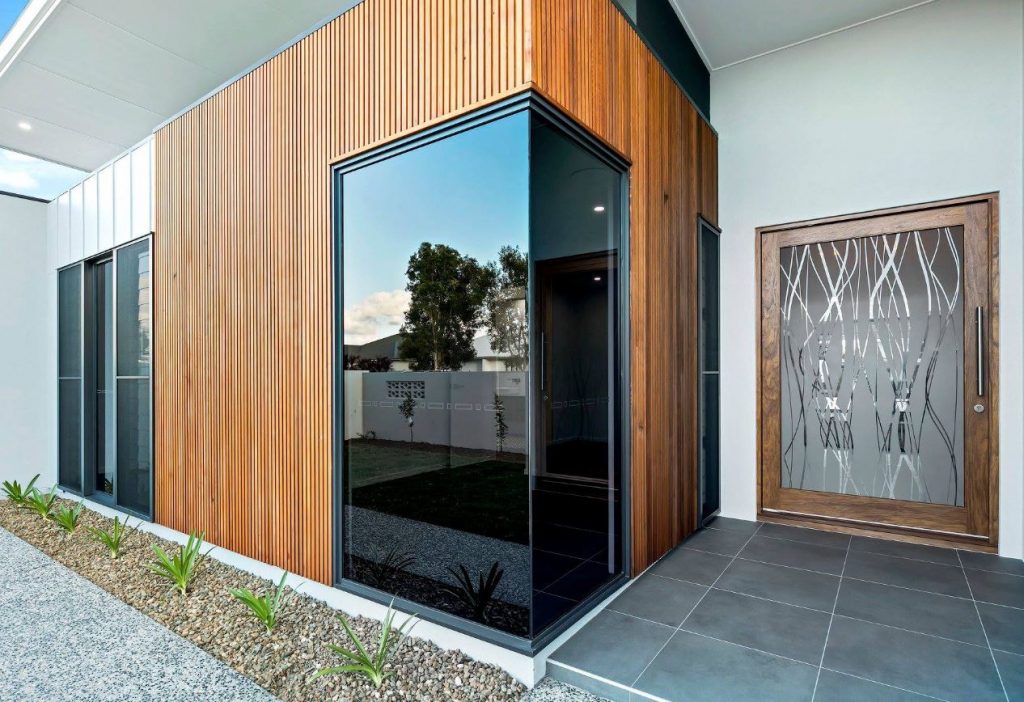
(480, 469)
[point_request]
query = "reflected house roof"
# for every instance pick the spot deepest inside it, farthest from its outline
(388, 346)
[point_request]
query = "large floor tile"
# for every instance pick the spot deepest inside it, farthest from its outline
(784, 630)
(823, 559)
(659, 599)
(990, 561)
(729, 524)
(695, 566)
(807, 536)
(1004, 626)
(838, 687)
(1011, 670)
(919, 552)
(720, 541)
(615, 646)
(930, 577)
(997, 588)
(924, 612)
(695, 668)
(925, 664)
(789, 585)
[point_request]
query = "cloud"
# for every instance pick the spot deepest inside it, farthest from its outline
(377, 315)
(27, 175)
(16, 180)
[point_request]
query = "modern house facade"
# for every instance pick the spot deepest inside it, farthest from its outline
(532, 290)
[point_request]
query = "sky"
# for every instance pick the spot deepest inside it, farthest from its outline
(22, 174)
(468, 191)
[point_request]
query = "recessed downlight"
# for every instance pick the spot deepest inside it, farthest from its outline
(598, 208)
(24, 126)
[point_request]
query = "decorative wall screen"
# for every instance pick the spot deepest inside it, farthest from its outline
(872, 366)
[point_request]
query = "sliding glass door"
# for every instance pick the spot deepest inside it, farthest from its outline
(479, 464)
(104, 381)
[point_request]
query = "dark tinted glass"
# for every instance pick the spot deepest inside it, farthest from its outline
(134, 310)
(69, 422)
(575, 216)
(134, 455)
(69, 370)
(435, 453)
(69, 311)
(709, 274)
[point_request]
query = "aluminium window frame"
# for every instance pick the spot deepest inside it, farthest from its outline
(527, 101)
(85, 481)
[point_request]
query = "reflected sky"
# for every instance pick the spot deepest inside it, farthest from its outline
(469, 192)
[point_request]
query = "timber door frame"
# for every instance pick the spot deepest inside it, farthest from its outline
(977, 522)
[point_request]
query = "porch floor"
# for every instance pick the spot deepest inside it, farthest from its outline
(749, 611)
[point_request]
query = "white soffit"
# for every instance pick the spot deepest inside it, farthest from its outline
(95, 77)
(730, 31)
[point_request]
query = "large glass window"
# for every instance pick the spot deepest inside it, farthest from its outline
(480, 468)
(69, 377)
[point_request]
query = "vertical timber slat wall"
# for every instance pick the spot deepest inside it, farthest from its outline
(588, 60)
(243, 252)
(243, 267)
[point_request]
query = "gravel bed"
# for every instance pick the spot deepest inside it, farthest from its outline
(282, 661)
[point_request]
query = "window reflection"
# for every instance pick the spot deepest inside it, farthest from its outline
(480, 307)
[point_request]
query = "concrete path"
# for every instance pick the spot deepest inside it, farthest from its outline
(64, 639)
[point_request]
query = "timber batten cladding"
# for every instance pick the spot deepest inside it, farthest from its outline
(243, 262)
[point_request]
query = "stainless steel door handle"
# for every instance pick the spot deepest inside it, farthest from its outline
(979, 326)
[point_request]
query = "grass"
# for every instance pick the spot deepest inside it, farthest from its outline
(489, 498)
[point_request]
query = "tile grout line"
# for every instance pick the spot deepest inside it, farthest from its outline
(828, 632)
(879, 682)
(984, 631)
(692, 609)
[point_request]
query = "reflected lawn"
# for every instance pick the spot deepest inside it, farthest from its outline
(473, 494)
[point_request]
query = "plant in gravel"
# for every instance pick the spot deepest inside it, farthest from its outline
(476, 596)
(180, 570)
(42, 503)
(18, 495)
(379, 573)
(362, 662)
(114, 538)
(265, 608)
(67, 517)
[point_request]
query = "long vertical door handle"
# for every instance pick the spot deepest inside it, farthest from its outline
(979, 326)
(543, 365)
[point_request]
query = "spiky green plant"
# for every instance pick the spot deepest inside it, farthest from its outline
(180, 570)
(362, 662)
(476, 596)
(67, 517)
(267, 607)
(42, 503)
(380, 572)
(115, 538)
(16, 494)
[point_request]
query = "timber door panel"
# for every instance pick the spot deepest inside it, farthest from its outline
(878, 391)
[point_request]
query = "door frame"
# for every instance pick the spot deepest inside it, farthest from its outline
(983, 210)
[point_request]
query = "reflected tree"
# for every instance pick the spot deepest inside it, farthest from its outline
(506, 319)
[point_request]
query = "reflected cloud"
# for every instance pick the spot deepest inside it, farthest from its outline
(377, 315)
(27, 175)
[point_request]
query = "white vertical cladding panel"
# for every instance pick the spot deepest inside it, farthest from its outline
(90, 242)
(52, 238)
(122, 199)
(141, 190)
(152, 185)
(105, 196)
(76, 221)
(63, 233)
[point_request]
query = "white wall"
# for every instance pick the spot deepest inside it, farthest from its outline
(28, 366)
(919, 106)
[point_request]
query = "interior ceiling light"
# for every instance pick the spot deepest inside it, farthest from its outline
(599, 208)
(25, 126)
(597, 279)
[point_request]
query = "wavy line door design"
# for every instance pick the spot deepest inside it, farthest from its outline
(875, 403)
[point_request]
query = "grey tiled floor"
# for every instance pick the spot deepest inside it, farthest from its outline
(744, 611)
(64, 639)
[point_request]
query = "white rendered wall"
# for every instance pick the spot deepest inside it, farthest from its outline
(28, 344)
(919, 106)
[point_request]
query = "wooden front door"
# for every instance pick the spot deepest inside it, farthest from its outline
(878, 370)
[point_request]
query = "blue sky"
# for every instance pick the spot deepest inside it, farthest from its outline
(469, 192)
(23, 174)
